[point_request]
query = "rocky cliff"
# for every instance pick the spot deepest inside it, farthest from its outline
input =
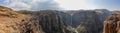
(88, 20)
(51, 21)
(78, 22)
(112, 24)
(85, 20)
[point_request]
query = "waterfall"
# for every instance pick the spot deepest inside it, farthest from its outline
(71, 19)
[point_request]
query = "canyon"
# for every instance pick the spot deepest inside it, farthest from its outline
(52, 21)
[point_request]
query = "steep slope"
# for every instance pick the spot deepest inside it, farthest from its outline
(9, 20)
(65, 17)
(82, 21)
(51, 21)
(102, 15)
(13, 22)
(86, 19)
(112, 24)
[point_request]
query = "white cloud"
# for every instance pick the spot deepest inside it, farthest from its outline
(76, 4)
(54, 4)
(17, 4)
(31, 4)
(50, 4)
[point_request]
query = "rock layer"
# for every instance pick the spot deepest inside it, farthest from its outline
(51, 21)
(112, 24)
(88, 20)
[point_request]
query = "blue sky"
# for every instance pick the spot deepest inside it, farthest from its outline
(110, 4)
(1, 2)
(61, 4)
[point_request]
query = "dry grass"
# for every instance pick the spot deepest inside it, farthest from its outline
(9, 20)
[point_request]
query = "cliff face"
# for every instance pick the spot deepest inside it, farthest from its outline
(86, 19)
(102, 15)
(79, 22)
(51, 21)
(112, 24)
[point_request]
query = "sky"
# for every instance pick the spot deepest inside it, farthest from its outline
(61, 4)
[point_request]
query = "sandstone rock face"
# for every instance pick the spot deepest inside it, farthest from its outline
(112, 24)
(12, 22)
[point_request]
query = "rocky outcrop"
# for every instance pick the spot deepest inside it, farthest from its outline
(7, 20)
(13, 22)
(112, 24)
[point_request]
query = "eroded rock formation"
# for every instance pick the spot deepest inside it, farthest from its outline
(12, 22)
(51, 21)
(112, 24)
